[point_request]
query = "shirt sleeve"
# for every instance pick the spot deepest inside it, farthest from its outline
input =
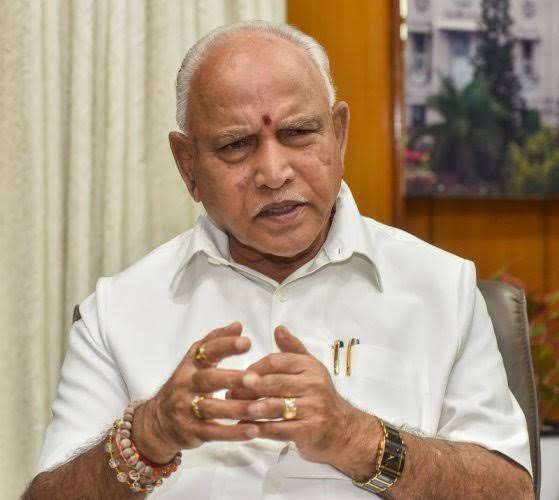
(478, 405)
(91, 392)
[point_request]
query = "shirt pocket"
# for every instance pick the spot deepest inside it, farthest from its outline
(294, 478)
(386, 383)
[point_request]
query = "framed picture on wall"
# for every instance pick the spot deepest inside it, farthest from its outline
(482, 98)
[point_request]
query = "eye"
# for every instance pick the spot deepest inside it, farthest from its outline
(294, 132)
(298, 136)
(236, 145)
(237, 150)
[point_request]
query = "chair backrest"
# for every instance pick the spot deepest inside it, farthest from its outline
(76, 316)
(507, 309)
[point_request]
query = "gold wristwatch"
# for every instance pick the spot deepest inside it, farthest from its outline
(390, 461)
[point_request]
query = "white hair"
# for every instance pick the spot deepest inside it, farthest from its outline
(198, 52)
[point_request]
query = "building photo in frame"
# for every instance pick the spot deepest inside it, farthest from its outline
(482, 98)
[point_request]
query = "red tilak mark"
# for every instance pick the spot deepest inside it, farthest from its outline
(266, 119)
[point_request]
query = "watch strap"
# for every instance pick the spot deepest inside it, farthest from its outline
(390, 461)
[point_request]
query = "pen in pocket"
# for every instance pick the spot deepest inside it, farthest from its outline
(338, 344)
(351, 343)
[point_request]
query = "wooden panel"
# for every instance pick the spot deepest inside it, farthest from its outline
(552, 272)
(357, 36)
(418, 219)
(494, 234)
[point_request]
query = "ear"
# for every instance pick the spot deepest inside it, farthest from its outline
(340, 117)
(182, 148)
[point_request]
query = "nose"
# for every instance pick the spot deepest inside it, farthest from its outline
(272, 165)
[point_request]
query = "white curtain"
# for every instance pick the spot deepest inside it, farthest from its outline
(87, 183)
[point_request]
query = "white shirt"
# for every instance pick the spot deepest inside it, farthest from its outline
(427, 357)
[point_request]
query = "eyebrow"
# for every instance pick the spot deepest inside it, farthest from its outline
(313, 123)
(230, 136)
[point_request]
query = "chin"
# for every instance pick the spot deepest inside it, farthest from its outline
(286, 249)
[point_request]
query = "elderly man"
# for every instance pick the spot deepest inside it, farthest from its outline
(288, 346)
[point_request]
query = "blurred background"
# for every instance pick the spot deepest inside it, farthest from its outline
(88, 183)
(482, 98)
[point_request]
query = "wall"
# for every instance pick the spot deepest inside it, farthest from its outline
(360, 39)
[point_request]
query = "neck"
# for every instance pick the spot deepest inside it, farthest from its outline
(277, 268)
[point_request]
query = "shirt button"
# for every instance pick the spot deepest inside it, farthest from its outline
(275, 485)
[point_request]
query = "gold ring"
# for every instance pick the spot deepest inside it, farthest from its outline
(201, 353)
(195, 407)
(290, 411)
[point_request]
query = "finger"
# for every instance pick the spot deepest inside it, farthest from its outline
(273, 408)
(222, 347)
(281, 362)
(234, 329)
(214, 379)
(278, 385)
(211, 431)
(211, 408)
(287, 342)
(284, 430)
(255, 386)
(242, 394)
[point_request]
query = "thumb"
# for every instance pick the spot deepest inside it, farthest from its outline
(287, 342)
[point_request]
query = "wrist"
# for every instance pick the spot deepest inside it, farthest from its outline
(148, 436)
(357, 459)
(390, 461)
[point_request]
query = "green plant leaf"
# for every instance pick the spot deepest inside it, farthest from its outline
(537, 330)
(547, 394)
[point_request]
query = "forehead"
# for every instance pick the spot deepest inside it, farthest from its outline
(251, 77)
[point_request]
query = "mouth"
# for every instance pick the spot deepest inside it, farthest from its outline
(283, 211)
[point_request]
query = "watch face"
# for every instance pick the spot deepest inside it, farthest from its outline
(393, 458)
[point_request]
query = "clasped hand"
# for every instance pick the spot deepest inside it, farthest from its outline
(324, 425)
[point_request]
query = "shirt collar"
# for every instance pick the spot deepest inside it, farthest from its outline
(206, 238)
(348, 236)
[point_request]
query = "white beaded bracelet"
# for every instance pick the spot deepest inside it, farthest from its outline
(143, 475)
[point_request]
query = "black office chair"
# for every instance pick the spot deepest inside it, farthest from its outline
(507, 309)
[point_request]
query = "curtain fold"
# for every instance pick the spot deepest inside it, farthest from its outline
(88, 184)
